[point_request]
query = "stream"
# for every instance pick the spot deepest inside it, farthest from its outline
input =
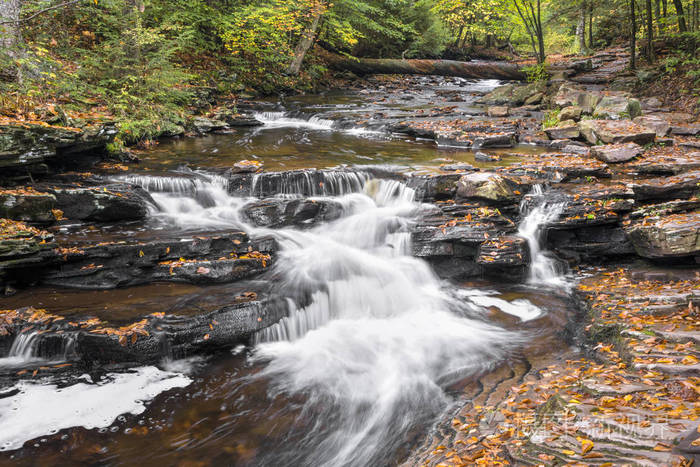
(375, 347)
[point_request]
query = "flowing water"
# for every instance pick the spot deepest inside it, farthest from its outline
(349, 377)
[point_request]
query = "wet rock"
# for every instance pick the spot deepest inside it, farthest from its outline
(246, 166)
(615, 132)
(513, 94)
(498, 111)
(534, 99)
(116, 202)
(615, 153)
(654, 122)
(27, 206)
(679, 186)
(572, 112)
(483, 157)
(458, 167)
(485, 186)
(663, 209)
(617, 108)
(276, 212)
(154, 337)
(31, 145)
(22, 246)
(676, 235)
(434, 187)
(204, 125)
(567, 129)
(590, 243)
(235, 119)
(201, 260)
(506, 256)
(558, 168)
(666, 164)
(576, 149)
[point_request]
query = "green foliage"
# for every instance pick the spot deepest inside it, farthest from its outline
(551, 119)
(537, 73)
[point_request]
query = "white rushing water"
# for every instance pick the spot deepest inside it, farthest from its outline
(25, 350)
(380, 338)
(281, 120)
(544, 268)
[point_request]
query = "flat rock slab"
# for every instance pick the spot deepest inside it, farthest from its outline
(615, 132)
(616, 153)
(27, 206)
(667, 188)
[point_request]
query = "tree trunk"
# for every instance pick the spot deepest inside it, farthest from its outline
(11, 34)
(307, 39)
(469, 70)
(633, 36)
(458, 38)
(682, 26)
(540, 32)
(650, 33)
(581, 28)
(590, 24)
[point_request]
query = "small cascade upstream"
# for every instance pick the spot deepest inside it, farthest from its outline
(31, 347)
(544, 268)
(380, 338)
(281, 119)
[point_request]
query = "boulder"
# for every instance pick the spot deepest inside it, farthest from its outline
(513, 94)
(675, 235)
(534, 99)
(617, 108)
(567, 129)
(485, 186)
(483, 157)
(573, 95)
(614, 153)
(615, 132)
(204, 125)
(279, 212)
(655, 123)
(246, 166)
(27, 206)
(459, 167)
(572, 112)
(686, 130)
(498, 111)
(434, 187)
(22, 246)
(32, 144)
(108, 203)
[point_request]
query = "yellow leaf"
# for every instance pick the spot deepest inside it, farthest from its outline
(586, 445)
(140, 253)
(568, 452)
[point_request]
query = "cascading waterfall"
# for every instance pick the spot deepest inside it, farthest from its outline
(380, 338)
(308, 183)
(281, 119)
(544, 269)
(35, 346)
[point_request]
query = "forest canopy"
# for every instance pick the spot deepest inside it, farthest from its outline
(144, 60)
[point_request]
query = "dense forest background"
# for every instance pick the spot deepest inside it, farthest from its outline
(145, 62)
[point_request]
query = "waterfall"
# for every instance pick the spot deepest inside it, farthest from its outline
(281, 119)
(308, 183)
(544, 269)
(378, 336)
(34, 346)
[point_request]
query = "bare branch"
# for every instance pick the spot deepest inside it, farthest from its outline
(55, 7)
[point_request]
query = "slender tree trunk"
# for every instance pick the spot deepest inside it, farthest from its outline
(581, 28)
(459, 37)
(590, 24)
(682, 25)
(540, 32)
(633, 36)
(659, 20)
(11, 35)
(650, 33)
(307, 39)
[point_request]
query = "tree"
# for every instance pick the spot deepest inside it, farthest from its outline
(530, 12)
(650, 32)
(11, 34)
(307, 38)
(682, 26)
(581, 27)
(633, 35)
